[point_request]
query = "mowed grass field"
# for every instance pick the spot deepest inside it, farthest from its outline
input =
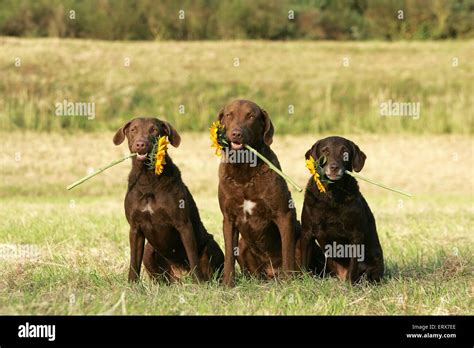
(82, 236)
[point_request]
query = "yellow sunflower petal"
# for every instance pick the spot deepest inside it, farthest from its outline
(214, 129)
(320, 185)
(310, 165)
(160, 155)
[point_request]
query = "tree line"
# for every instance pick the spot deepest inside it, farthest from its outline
(239, 19)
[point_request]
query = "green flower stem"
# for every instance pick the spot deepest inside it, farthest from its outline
(278, 171)
(100, 170)
(377, 184)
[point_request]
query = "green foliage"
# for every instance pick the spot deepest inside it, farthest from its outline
(238, 19)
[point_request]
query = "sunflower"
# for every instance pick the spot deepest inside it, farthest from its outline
(217, 137)
(310, 164)
(156, 158)
(161, 154)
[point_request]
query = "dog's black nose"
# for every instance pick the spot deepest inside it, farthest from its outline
(333, 167)
(236, 134)
(139, 145)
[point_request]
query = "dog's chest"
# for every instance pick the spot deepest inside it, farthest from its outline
(148, 208)
(251, 213)
(334, 223)
(248, 207)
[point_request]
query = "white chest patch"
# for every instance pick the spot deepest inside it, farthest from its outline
(248, 207)
(148, 209)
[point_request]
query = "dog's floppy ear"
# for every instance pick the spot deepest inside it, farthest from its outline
(173, 135)
(119, 136)
(358, 158)
(314, 149)
(220, 115)
(268, 130)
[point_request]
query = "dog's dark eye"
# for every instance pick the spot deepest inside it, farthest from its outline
(133, 129)
(228, 115)
(251, 116)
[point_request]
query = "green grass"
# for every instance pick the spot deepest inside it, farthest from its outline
(201, 76)
(84, 253)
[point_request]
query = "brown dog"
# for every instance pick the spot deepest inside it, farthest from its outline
(340, 218)
(254, 200)
(161, 210)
